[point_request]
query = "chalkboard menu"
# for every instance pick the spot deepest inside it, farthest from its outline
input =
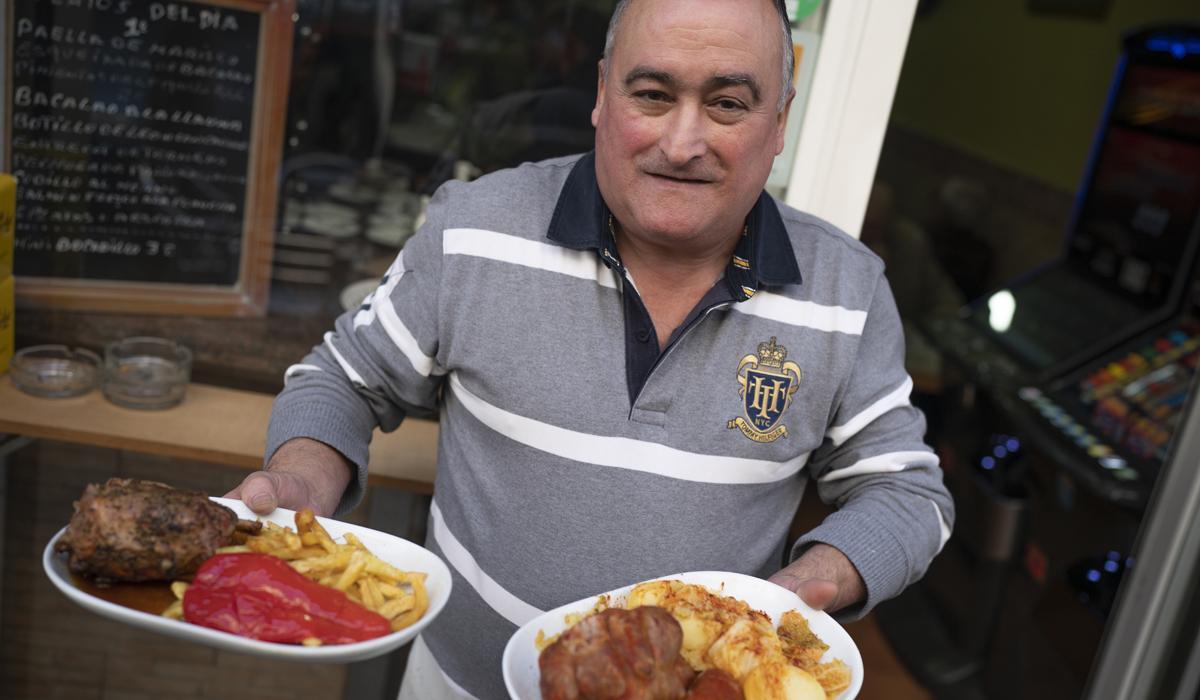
(145, 138)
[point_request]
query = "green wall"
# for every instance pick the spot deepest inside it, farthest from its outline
(1022, 90)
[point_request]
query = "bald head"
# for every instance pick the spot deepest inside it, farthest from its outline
(788, 62)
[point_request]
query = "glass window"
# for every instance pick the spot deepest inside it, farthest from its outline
(390, 99)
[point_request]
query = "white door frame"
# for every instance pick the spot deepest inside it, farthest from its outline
(849, 103)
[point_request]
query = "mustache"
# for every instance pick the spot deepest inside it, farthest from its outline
(694, 170)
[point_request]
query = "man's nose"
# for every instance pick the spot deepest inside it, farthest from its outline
(685, 136)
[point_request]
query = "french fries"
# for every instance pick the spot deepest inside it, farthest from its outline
(398, 596)
(175, 610)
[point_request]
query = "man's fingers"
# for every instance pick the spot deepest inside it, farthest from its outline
(818, 593)
(263, 492)
(259, 492)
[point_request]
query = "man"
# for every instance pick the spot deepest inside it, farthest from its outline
(640, 360)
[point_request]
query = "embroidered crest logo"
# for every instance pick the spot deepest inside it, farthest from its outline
(768, 381)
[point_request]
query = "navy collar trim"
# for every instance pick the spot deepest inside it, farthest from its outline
(764, 256)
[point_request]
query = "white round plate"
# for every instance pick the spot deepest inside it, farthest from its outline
(521, 675)
(396, 551)
(331, 226)
(353, 192)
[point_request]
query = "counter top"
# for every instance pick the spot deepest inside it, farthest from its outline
(248, 353)
(213, 424)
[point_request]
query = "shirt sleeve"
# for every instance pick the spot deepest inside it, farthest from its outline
(379, 362)
(893, 514)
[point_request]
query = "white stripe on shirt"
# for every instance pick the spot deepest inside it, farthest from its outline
(507, 605)
(883, 464)
(366, 315)
(403, 338)
(584, 264)
(805, 314)
(944, 529)
(503, 247)
(897, 398)
(625, 453)
(378, 305)
(424, 679)
(351, 373)
(296, 369)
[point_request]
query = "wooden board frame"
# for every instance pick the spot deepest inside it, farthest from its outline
(249, 295)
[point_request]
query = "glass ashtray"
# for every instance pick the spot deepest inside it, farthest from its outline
(55, 371)
(146, 373)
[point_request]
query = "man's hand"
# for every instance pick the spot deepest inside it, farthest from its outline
(302, 473)
(824, 578)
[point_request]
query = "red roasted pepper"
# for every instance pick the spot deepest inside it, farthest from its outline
(259, 596)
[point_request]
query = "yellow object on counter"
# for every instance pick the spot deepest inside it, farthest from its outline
(8, 219)
(7, 317)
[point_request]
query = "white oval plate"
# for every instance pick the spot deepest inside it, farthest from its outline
(396, 551)
(330, 226)
(521, 675)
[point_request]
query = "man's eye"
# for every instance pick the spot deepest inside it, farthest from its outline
(652, 96)
(729, 105)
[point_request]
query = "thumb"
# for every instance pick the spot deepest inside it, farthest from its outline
(263, 491)
(818, 593)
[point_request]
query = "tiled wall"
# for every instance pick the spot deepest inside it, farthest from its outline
(54, 649)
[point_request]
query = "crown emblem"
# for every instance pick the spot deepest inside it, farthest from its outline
(770, 354)
(768, 381)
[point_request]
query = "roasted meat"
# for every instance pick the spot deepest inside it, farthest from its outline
(131, 530)
(617, 655)
(714, 684)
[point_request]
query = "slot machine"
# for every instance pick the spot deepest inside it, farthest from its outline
(1075, 378)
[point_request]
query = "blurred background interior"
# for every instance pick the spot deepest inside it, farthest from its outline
(1036, 202)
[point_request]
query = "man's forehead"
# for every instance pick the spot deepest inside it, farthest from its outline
(744, 34)
(777, 7)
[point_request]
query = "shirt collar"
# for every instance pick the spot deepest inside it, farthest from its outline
(764, 256)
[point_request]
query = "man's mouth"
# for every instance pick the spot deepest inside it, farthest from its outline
(680, 179)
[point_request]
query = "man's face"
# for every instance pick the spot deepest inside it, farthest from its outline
(687, 120)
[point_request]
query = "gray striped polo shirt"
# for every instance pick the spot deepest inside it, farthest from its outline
(555, 481)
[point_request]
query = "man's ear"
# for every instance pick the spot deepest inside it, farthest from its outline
(781, 125)
(599, 92)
